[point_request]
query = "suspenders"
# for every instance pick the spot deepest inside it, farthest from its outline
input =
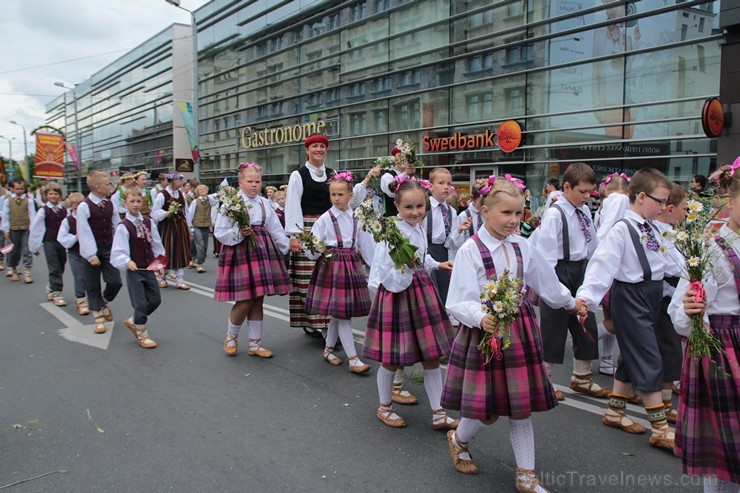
(647, 273)
(565, 234)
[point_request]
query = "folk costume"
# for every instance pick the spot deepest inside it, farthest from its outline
(174, 229)
(44, 229)
(67, 237)
(17, 213)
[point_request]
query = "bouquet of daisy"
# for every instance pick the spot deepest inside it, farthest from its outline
(233, 207)
(312, 244)
(401, 251)
(408, 152)
(500, 298)
(694, 239)
(175, 208)
(386, 163)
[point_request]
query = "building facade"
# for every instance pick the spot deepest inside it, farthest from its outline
(619, 85)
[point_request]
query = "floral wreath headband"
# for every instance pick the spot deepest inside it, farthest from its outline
(400, 180)
(173, 176)
(244, 166)
(343, 175)
(139, 173)
(270, 187)
(609, 178)
(486, 189)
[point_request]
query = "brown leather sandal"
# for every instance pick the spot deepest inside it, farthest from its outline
(465, 466)
(440, 421)
(358, 369)
(328, 353)
(231, 350)
(260, 351)
(527, 482)
(385, 411)
(623, 423)
(586, 387)
(663, 438)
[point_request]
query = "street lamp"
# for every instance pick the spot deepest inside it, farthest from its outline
(194, 26)
(10, 148)
(77, 131)
(25, 141)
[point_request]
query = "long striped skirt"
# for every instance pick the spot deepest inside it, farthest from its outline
(301, 268)
(708, 423)
(408, 327)
(338, 287)
(515, 385)
(176, 241)
(245, 274)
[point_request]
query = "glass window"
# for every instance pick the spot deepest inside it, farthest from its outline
(357, 123)
(358, 11)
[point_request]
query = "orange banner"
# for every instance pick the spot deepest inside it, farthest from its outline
(49, 155)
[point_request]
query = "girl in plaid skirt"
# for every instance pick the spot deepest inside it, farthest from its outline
(516, 383)
(250, 270)
(708, 423)
(338, 286)
(407, 322)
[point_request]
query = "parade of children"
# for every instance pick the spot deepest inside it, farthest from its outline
(482, 304)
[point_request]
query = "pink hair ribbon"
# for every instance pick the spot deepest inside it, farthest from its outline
(735, 166)
(624, 175)
(516, 181)
(344, 175)
(487, 187)
(400, 180)
(425, 184)
(244, 166)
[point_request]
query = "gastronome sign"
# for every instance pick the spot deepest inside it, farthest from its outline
(253, 138)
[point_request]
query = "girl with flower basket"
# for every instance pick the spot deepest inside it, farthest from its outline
(708, 423)
(250, 265)
(173, 223)
(338, 286)
(496, 367)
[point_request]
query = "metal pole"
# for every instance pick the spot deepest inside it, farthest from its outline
(77, 145)
(25, 140)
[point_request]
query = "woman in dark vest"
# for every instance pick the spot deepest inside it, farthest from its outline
(388, 178)
(307, 198)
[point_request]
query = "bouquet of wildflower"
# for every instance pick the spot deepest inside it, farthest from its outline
(232, 206)
(408, 153)
(401, 251)
(694, 239)
(500, 298)
(175, 208)
(312, 244)
(386, 163)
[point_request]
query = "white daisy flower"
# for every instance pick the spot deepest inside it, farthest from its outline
(693, 261)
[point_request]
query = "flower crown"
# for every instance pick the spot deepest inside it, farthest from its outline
(173, 176)
(244, 166)
(486, 189)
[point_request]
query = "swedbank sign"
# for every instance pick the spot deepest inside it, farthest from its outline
(253, 138)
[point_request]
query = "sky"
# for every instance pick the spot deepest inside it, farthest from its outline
(45, 41)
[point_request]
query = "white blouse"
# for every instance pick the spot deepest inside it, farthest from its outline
(323, 229)
(612, 210)
(463, 298)
(38, 227)
(382, 270)
(227, 231)
(120, 254)
(722, 294)
(64, 237)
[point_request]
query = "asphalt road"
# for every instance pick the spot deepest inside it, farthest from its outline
(186, 417)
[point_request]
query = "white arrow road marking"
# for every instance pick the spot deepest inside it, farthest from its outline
(76, 332)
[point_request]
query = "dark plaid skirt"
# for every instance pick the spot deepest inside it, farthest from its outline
(338, 288)
(300, 268)
(176, 241)
(515, 385)
(708, 424)
(408, 327)
(245, 274)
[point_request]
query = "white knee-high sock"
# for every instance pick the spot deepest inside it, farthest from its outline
(606, 341)
(255, 329)
(345, 335)
(433, 385)
(331, 333)
(385, 385)
(468, 429)
(234, 331)
(521, 435)
(398, 376)
(179, 274)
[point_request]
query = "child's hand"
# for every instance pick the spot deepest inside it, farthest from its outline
(246, 231)
(414, 261)
(94, 261)
(581, 308)
(465, 225)
(690, 307)
(375, 171)
(132, 266)
(488, 323)
(295, 245)
(445, 266)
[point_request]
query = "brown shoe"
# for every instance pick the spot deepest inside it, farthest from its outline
(82, 308)
(107, 315)
(260, 351)
(559, 395)
(465, 466)
(231, 350)
(58, 300)
(99, 325)
(400, 396)
(358, 369)
(200, 269)
(440, 421)
(330, 358)
(9, 272)
(385, 415)
(623, 423)
(527, 482)
(163, 284)
(184, 287)
(663, 438)
(14, 276)
(27, 276)
(585, 386)
(141, 334)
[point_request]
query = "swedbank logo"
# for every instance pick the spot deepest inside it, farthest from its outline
(252, 138)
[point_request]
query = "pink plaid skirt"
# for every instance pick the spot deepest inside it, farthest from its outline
(245, 274)
(408, 327)
(515, 385)
(338, 288)
(708, 423)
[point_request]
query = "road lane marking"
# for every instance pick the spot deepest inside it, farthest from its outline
(76, 331)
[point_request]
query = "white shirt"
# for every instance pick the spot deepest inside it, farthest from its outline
(64, 237)
(463, 298)
(159, 214)
(323, 229)
(616, 259)
(552, 198)
(382, 270)
(88, 247)
(462, 217)
(719, 284)
(612, 210)
(675, 259)
(455, 239)
(5, 224)
(385, 182)
(227, 232)
(38, 227)
(551, 234)
(120, 254)
(293, 211)
(212, 199)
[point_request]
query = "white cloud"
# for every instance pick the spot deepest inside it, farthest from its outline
(39, 34)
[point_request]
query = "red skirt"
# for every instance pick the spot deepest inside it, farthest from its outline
(338, 288)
